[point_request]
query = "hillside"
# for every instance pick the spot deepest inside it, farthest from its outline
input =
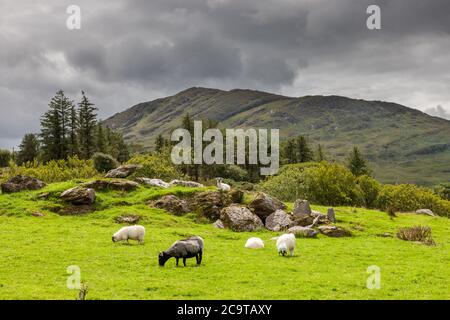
(402, 144)
(37, 251)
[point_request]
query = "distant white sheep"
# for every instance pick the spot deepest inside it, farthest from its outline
(286, 242)
(222, 186)
(131, 232)
(254, 243)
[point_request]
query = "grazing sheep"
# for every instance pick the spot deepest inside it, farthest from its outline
(135, 232)
(187, 248)
(222, 186)
(286, 242)
(254, 243)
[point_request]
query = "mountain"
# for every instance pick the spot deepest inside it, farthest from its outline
(402, 144)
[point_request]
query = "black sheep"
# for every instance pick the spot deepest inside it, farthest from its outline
(187, 248)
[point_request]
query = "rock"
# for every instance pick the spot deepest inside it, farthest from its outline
(190, 184)
(37, 214)
(333, 231)
(278, 221)
(128, 218)
(302, 220)
(43, 196)
(153, 182)
(236, 196)
(385, 235)
(218, 224)
(263, 205)
(123, 171)
(303, 232)
(171, 204)
(122, 185)
(209, 203)
(425, 211)
(21, 183)
(240, 219)
(331, 215)
(79, 196)
(301, 208)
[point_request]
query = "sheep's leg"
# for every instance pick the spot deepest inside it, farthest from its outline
(292, 252)
(196, 258)
(177, 261)
(184, 261)
(200, 256)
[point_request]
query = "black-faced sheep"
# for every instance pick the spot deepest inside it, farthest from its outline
(286, 242)
(187, 248)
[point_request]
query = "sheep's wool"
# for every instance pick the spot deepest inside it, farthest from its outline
(254, 243)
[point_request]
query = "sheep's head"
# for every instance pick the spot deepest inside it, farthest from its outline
(162, 258)
(113, 239)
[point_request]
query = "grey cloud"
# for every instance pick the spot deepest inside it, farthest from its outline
(133, 51)
(438, 111)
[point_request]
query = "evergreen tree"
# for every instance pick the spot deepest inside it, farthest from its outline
(357, 164)
(160, 143)
(100, 139)
(320, 156)
(5, 157)
(302, 150)
(54, 124)
(86, 127)
(73, 128)
(28, 149)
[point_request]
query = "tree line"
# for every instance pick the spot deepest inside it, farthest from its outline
(68, 130)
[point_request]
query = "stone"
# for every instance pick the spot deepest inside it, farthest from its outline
(43, 196)
(153, 182)
(37, 214)
(334, 231)
(425, 211)
(210, 203)
(122, 185)
(79, 196)
(123, 171)
(263, 205)
(21, 183)
(240, 219)
(171, 204)
(303, 232)
(331, 216)
(236, 196)
(218, 224)
(278, 221)
(189, 184)
(302, 220)
(301, 208)
(128, 218)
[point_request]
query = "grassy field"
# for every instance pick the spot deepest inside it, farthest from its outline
(36, 251)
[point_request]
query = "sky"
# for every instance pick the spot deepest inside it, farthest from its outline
(128, 52)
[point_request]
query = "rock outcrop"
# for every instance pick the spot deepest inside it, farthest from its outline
(171, 204)
(278, 221)
(240, 219)
(79, 196)
(21, 183)
(263, 205)
(123, 171)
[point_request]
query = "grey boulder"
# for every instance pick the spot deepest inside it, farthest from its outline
(240, 219)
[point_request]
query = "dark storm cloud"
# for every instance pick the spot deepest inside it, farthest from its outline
(132, 51)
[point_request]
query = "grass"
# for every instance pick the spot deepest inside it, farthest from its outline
(36, 252)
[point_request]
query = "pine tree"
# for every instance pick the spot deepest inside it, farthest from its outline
(86, 127)
(100, 139)
(28, 149)
(159, 143)
(320, 156)
(73, 128)
(5, 157)
(302, 150)
(54, 128)
(357, 164)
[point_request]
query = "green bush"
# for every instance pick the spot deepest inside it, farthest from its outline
(104, 162)
(232, 172)
(156, 166)
(443, 190)
(408, 197)
(5, 157)
(54, 170)
(370, 189)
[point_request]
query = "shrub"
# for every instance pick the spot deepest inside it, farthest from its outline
(443, 190)
(5, 157)
(104, 162)
(54, 170)
(418, 233)
(232, 172)
(156, 166)
(370, 189)
(408, 197)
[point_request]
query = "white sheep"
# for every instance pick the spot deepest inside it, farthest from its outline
(222, 186)
(286, 242)
(131, 232)
(254, 243)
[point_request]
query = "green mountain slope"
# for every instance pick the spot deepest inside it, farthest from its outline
(402, 144)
